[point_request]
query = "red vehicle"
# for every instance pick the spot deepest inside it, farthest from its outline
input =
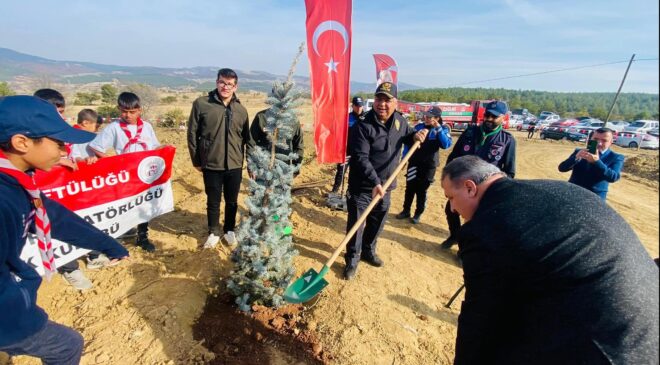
(456, 116)
(467, 116)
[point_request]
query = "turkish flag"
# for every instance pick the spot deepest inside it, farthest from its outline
(329, 51)
(386, 69)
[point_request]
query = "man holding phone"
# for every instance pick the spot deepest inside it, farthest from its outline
(595, 167)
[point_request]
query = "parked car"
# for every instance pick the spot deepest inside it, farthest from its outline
(525, 124)
(545, 121)
(634, 140)
(515, 123)
(544, 114)
(586, 126)
(558, 129)
(576, 136)
(653, 132)
(617, 125)
(641, 126)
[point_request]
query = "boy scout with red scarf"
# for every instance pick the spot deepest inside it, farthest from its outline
(129, 134)
(32, 137)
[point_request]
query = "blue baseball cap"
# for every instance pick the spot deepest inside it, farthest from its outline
(35, 118)
(497, 108)
(434, 112)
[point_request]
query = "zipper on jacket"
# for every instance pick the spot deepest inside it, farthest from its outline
(227, 121)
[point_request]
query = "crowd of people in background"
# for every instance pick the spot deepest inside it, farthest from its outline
(544, 283)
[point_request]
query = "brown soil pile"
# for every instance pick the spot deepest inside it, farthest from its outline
(644, 166)
(265, 336)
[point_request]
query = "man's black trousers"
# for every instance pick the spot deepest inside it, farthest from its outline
(363, 243)
(227, 183)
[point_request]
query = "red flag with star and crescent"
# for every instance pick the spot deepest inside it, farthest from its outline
(329, 51)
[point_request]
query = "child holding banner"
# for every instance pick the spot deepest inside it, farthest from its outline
(130, 134)
(32, 137)
(70, 271)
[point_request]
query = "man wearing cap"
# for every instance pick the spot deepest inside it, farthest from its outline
(33, 137)
(422, 165)
(491, 143)
(354, 116)
(377, 142)
(547, 284)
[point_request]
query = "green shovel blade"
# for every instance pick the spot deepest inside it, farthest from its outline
(306, 287)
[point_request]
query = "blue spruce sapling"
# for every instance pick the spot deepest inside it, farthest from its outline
(263, 259)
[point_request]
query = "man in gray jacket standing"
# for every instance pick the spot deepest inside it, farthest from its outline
(218, 131)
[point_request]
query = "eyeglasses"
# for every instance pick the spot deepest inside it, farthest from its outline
(490, 115)
(226, 85)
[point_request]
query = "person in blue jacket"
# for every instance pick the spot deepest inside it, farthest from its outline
(595, 172)
(422, 165)
(33, 137)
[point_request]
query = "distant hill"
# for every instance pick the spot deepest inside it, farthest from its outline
(19, 68)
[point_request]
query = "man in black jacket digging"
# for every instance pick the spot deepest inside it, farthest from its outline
(377, 143)
(552, 274)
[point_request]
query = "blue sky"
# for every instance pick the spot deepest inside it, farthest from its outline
(436, 43)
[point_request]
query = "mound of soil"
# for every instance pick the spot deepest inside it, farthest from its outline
(644, 166)
(264, 336)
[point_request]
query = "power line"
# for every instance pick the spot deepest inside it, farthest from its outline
(551, 71)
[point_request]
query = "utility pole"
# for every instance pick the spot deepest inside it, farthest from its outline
(619, 91)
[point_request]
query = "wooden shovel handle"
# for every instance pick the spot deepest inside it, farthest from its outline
(371, 206)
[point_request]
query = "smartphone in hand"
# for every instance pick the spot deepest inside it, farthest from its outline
(592, 146)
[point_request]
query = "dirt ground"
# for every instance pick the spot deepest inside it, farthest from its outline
(144, 310)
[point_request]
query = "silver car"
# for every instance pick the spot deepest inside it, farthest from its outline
(634, 140)
(641, 126)
(617, 125)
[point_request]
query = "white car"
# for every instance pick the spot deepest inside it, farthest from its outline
(641, 126)
(634, 140)
(544, 114)
(617, 125)
(543, 122)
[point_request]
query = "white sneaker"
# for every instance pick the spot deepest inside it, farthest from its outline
(77, 279)
(98, 263)
(230, 237)
(211, 241)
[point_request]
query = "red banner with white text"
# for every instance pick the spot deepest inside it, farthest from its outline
(329, 50)
(114, 194)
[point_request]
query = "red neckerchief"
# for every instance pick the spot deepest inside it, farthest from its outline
(134, 139)
(42, 223)
(68, 146)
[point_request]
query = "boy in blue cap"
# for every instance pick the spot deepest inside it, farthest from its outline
(32, 136)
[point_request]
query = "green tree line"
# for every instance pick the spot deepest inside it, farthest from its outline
(629, 106)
